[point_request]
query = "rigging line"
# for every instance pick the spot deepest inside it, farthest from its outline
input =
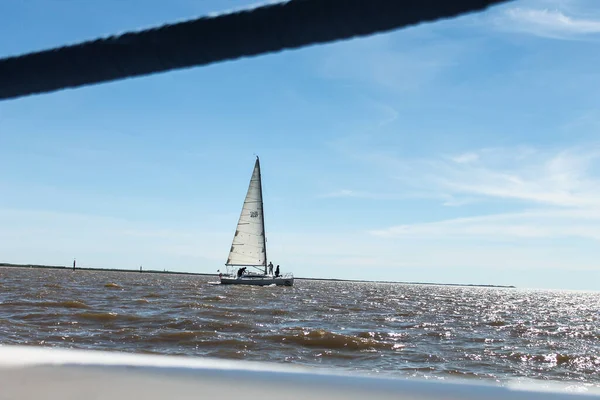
(270, 28)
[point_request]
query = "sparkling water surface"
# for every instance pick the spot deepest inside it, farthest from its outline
(435, 332)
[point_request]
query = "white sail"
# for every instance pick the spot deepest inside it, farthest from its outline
(249, 244)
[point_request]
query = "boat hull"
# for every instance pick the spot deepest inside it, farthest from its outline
(258, 280)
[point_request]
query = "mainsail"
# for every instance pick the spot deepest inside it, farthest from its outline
(249, 245)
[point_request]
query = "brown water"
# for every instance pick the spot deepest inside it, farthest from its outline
(402, 330)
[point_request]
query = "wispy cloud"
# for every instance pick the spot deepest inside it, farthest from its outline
(465, 158)
(561, 178)
(523, 225)
(390, 115)
(359, 194)
(388, 62)
(546, 23)
(342, 193)
(559, 191)
(454, 201)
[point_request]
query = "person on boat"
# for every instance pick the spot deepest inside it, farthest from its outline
(241, 272)
(270, 268)
(277, 271)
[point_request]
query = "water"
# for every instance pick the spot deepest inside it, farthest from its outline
(438, 332)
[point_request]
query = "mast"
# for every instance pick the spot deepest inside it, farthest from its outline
(262, 214)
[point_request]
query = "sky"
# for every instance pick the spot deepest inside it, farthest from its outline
(463, 151)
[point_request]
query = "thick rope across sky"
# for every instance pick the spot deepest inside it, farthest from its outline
(266, 29)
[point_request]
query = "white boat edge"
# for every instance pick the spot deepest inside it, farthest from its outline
(258, 280)
(29, 372)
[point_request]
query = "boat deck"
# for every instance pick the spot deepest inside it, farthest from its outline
(258, 280)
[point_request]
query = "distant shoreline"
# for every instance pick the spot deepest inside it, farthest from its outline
(144, 271)
(153, 271)
(410, 283)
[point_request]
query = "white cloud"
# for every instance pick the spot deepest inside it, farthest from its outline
(523, 225)
(558, 192)
(561, 178)
(341, 193)
(389, 112)
(547, 23)
(389, 61)
(453, 201)
(360, 195)
(517, 175)
(465, 158)
(536, 208)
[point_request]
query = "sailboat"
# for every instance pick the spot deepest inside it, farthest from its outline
(247, 260)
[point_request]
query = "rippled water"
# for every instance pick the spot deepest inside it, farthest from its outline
(403, 330)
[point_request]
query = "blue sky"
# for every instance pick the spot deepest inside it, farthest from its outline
(465, 151)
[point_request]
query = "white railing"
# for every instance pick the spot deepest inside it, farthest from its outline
(30, 373)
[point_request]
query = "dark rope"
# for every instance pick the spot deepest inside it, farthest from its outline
(206, 40)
